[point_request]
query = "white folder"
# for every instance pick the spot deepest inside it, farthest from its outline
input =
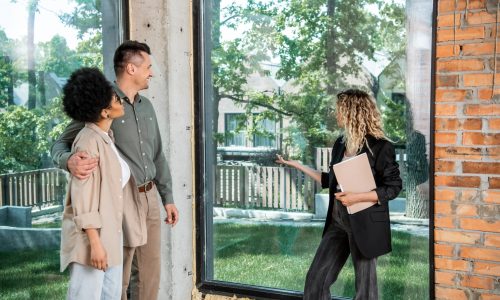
(355, 175)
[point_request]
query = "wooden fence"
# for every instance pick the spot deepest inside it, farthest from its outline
(264, 187)
(40, 188)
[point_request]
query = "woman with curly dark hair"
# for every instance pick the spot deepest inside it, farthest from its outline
(366, 234)
(91, 237)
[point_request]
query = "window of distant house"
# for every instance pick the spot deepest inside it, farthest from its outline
(269, 74)
(234, 133)
(266, 135)
(237, 127)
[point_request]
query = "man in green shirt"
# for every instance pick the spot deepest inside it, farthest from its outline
(138, 139)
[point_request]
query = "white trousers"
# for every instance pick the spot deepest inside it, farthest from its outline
(88, 283)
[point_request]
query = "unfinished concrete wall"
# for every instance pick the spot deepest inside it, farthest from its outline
(165, 27)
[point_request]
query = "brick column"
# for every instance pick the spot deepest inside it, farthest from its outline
(467, 139)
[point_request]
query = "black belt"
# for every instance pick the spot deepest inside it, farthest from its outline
(145, 187)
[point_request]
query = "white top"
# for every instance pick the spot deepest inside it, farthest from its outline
(123, 164)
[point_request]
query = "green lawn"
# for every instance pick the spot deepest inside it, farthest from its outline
(265, 255)
(31, 275)
(279, 256)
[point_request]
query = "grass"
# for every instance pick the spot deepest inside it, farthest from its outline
(264, 255)
(279, 256)
(55, 224)
(32, 275)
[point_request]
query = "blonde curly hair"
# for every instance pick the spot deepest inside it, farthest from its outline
(359, 115)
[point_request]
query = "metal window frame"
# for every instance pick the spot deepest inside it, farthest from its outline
(204, 180)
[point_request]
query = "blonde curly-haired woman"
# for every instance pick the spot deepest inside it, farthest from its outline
(366, 234)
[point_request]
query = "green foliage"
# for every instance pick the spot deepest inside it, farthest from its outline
(26, 135)
(21, 147)
(319, 49)
(394, 118)
(56, 57)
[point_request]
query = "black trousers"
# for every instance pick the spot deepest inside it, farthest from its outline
(330, 257)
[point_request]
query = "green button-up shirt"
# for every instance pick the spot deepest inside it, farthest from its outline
(138, 139)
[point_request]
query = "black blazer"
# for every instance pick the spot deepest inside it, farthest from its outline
(370, 227)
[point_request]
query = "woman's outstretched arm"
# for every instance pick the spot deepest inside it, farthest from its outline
(314, 174)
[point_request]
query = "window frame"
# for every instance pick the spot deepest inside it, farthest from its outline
(203, 180)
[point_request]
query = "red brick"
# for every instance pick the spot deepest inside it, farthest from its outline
(442, 207)
(489, 296)
(485, 283)
(480, 225)
(481, 17)
(466, 210)
(491, 196)
(460, 5)
(494, 124)
(457, 124)
(446, 80)
(487, 93)
(472, 124)
(457, 237)
(443, 293)
(445, 278)
(493, 153)
(479, 79)
(485, 296)
(492, 240)
(494, 182)
(458, 181)
(446, 110)
(478, 138)
(443, 250)
(488, 211)
(446, 138)
(447, 124)
(482, 109)
(446, 195)
(479, 49)
(458, 152)
(469, 195)
(452, 95)
(480, 253)
(447, 51)
(486, 268)
(460, 65)
(481, 167)
(451, 264)
(469, 33)
(444, 222)
(444, 166)
(449, 20)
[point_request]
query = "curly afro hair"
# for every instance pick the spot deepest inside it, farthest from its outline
(86, 94)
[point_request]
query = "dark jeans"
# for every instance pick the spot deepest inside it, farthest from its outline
(332, 253)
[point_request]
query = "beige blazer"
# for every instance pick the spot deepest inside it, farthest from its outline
(100, 202)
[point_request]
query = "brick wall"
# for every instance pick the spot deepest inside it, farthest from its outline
(467, 139)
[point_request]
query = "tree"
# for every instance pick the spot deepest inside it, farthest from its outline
(317, 45)
(32, 9)
(55, 56)
(86, 18)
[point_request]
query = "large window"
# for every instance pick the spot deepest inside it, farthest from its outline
(260, 222)
(41, 43)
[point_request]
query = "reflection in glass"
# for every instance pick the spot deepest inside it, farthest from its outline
(41, 43)
(284, 61)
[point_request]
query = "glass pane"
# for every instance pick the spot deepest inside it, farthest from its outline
(41, 43)
(279, 65)
(234, 136)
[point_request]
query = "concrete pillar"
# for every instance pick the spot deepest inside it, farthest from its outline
(166, 27)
